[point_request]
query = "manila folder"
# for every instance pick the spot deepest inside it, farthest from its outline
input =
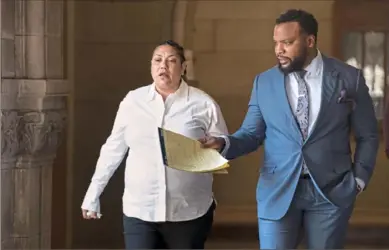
(183, 153)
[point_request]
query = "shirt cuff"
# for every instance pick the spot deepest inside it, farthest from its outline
(226, 145)
(360, 183)
(91, 205)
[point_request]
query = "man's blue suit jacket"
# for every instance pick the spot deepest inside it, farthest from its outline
(327, 152)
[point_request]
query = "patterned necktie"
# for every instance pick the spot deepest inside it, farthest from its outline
(302, 111)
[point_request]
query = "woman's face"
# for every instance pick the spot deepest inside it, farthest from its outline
(166, 68)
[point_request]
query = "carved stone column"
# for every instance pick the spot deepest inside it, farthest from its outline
(33, 111)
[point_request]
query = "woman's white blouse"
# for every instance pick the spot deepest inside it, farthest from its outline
(154, 192)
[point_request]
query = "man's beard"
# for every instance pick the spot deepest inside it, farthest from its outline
(295, 64)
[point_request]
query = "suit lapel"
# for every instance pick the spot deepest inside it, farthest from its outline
(280, 89)
(329, 82)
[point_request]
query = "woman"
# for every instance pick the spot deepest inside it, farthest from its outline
(162, 207)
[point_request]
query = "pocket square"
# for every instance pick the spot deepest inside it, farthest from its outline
(344, 98)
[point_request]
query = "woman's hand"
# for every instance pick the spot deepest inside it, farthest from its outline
(87, 214)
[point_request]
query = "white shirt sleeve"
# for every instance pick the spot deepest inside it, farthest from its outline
(217, 125)
(111, 155)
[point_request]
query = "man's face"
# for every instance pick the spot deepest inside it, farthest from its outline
(291, 46)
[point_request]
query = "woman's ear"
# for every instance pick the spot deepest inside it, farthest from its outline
(183, 70)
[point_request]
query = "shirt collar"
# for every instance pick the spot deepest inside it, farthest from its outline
(315, 67)
(182, 91)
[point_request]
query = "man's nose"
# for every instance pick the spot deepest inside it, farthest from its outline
(279, 49)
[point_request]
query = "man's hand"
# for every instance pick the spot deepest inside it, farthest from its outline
(213, 142)
(387, 153)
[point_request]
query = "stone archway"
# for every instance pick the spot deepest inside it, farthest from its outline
(33, 117)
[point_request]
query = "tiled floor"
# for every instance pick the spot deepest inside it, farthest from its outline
(245, 237)
(254, 245)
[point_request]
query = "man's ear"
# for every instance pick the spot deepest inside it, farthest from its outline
(311, 41)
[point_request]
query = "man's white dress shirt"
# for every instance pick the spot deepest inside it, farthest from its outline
(154, 192)
(314, 80)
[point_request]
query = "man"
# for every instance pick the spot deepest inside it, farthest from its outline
(303, 111)
(386, 124)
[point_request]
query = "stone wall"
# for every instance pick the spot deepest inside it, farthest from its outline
(33, 118)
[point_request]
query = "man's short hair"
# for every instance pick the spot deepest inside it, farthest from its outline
(306, 20)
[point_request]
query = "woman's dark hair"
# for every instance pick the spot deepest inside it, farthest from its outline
(306, 20)
(178, 48)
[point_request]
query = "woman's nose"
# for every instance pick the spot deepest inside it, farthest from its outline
(163, 65)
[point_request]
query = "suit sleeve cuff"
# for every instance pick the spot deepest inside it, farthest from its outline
(224, 150)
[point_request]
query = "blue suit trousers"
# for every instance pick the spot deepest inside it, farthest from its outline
(325, 225)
